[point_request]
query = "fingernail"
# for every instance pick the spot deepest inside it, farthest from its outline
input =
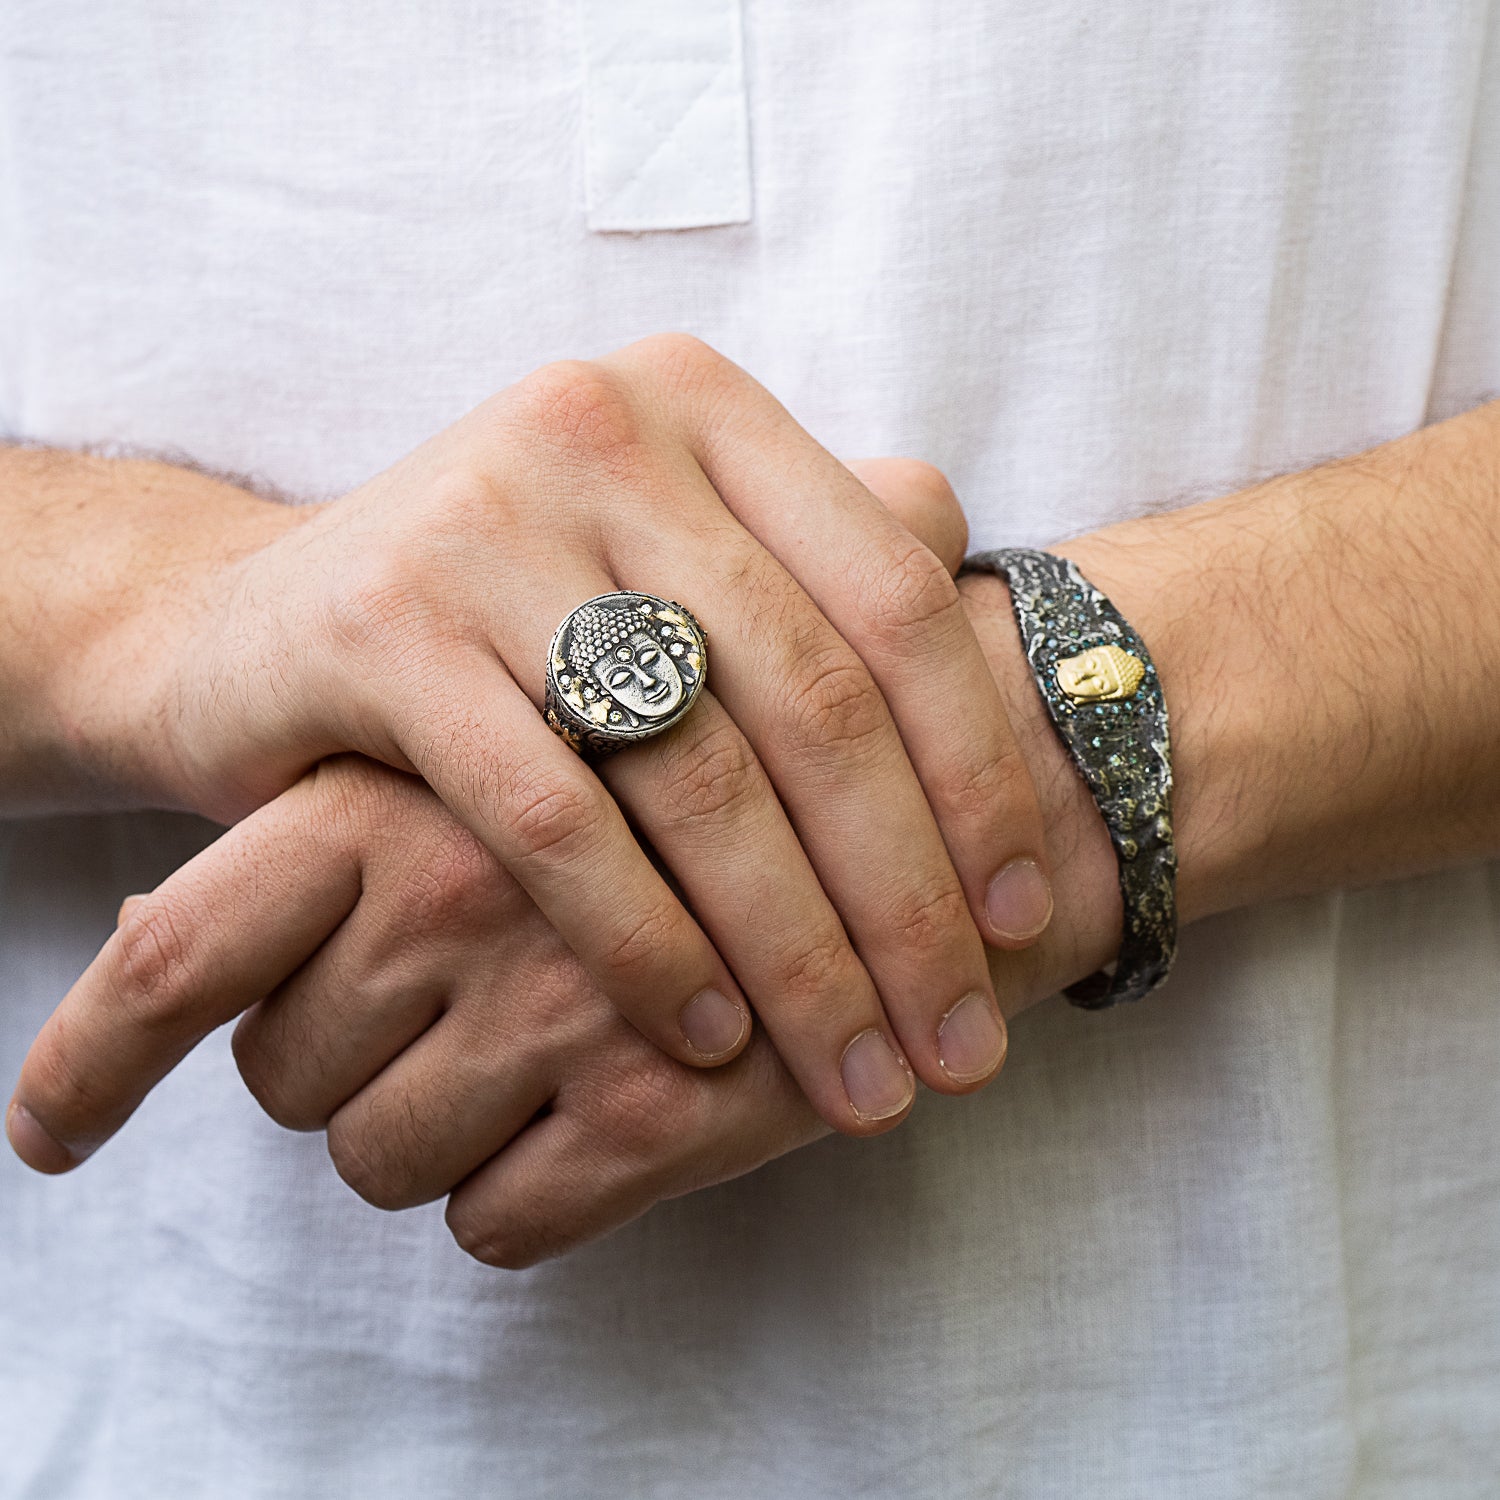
(33, 1145)
(1019, 901)
(127, 906)
(878, 1083)
(971, 1040)
(713, 1024)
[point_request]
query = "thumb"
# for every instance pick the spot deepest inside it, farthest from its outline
(921, 499)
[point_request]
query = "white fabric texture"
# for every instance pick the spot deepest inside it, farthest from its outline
(1240, 1240)
(667, 142)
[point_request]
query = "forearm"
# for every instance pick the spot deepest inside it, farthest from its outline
(1329, 645)
(102, 556)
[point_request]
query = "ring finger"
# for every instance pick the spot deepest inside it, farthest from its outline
(702, 799)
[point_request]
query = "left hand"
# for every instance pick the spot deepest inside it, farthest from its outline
(401, 991)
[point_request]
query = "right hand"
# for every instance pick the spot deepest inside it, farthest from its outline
(409, 621)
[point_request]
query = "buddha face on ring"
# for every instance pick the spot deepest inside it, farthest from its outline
(639, 675)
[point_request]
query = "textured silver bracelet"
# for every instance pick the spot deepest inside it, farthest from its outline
(1105, 701)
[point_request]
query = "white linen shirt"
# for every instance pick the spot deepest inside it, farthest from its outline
(1241, 1240)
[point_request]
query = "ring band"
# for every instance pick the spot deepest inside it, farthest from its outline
(622, 668)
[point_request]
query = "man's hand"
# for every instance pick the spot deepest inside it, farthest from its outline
(410, 621)
(1326, 728)
(401, 990)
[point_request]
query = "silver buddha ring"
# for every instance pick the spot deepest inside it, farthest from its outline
(621, 668)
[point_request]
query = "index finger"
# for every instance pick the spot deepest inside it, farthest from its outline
(210, 942)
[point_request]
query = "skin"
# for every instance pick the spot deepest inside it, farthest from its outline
(185, 644)
(397, 988)
(1326, 727)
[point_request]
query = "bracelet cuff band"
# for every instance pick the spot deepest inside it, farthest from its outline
(1105, 701)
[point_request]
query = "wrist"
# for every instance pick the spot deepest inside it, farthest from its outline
(128, 638)
(1233, 748)
(1324, 642)
(1085, 929)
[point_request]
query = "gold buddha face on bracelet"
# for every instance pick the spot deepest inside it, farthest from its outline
(1100, 674)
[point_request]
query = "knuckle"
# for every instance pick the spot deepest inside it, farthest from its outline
(553, 820)
(988, 786)
(689, 376)
(553, 993)
(471, 498)
(260, 1062)
(377, 598)
(371, 1151)
(812, 970)
(353, 794)
(281, 1107)
(347, 1153)
(911, 591)
(636, 1121)
(713, 776)
(453, 886)
(930, 919)
(155, 973)
(929, 481)
(341, 782)
(258, 1072)
(632, 954)
(837, 706)
(578, 405)
(680, 358)
(479, 1237)
(515, 1243)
